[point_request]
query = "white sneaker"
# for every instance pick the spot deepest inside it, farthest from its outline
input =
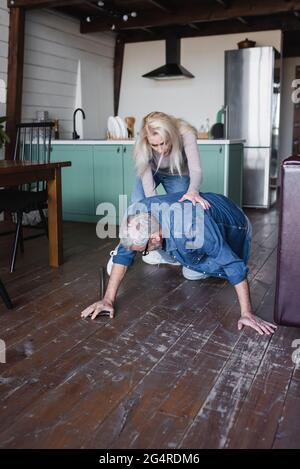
(153, 258)
(190, 274)
(159, 257)
(110, 262)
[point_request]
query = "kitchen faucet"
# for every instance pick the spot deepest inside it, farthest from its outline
(75, 135)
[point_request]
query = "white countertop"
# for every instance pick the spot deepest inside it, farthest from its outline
(132, 142)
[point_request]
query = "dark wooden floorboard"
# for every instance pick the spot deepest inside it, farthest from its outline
(171, 370)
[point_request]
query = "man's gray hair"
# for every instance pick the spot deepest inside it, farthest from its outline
(136, 230)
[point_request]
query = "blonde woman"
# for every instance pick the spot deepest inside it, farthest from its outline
(166, 153)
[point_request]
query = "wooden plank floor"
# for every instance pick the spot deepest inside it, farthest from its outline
(170, 371)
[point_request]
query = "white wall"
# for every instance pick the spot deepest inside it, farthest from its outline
(195, 99)
(287, 107)
(64, 69)
(4, 22)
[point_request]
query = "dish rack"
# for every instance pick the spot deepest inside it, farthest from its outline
(118, 129)
(111, 137)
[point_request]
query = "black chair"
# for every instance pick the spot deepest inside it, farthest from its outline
(33, 143)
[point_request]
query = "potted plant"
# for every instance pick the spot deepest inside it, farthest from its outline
(4, 138)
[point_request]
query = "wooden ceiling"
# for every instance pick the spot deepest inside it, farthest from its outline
(149, 20)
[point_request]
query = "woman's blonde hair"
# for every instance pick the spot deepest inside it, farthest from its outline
(170, 130)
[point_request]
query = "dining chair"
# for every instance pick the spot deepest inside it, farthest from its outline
(33, 143)
(5, 297)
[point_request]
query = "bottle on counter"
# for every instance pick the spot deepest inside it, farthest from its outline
(56, 129)
(207, 128)
(202, 133)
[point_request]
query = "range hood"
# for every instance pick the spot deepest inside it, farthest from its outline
(173, 70)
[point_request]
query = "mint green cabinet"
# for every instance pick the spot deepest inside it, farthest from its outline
(222, 167)
(212, 163)
(102, 172)
(77, 182)
(108, 174)
(128, 170)
(108, 181)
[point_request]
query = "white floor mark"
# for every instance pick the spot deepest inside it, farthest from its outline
(161, 348)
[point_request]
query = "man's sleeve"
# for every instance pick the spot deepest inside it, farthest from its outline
(216, 247)
(124, 256)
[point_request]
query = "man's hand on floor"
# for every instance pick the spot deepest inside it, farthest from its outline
(258, 324)
(102, 308)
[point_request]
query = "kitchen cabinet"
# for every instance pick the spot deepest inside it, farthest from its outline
(108, 175)
(212, 163)
(129, 172)
(222, 167)
(102, 172)
(99, 173)
(78, 183)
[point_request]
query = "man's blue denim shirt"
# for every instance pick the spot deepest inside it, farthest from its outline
(226, 242)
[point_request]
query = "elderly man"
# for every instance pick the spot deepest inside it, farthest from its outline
(213, 242)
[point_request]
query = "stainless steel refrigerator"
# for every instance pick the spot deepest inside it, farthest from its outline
(252, 95)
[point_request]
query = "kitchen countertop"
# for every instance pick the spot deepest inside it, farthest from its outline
(132, 142)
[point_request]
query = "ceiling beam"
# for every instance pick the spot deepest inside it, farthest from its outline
(197, 13)
(41, 3)
(160, 5)
(118, 67)
(284, 22)
(57, 3)
(242, 20)
(96, 7)
(224, 3)
(149, 31)
(291, 44)
(194, 26)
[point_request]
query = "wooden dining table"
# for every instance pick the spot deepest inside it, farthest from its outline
(15, 173)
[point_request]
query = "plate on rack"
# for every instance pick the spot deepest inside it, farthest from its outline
(123, 128)
(113, 128)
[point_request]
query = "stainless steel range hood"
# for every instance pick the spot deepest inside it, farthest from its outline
(172, 70)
